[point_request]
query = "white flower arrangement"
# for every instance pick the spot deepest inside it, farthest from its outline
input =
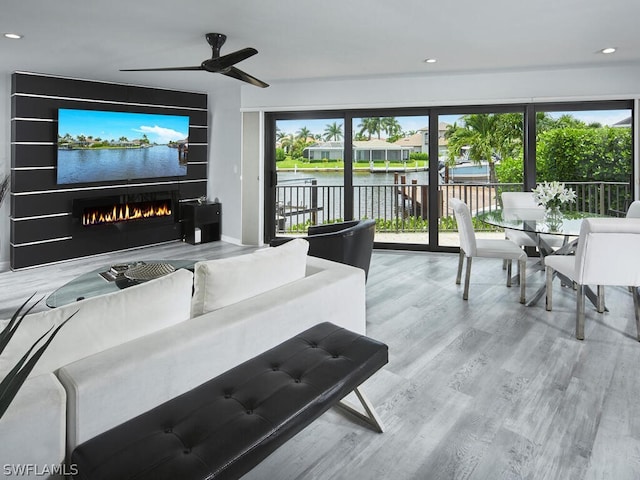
(551, 195)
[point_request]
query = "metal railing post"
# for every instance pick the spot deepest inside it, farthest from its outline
(314, 202)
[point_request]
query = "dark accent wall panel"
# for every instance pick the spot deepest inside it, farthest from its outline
(43, 228)
(38, 230)
(33, 155)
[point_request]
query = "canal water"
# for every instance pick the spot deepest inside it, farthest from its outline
(359, 178)
(104, 164)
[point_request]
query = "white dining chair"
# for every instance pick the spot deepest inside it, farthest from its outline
(514, 201)
(511, 202)
(634, 210)
(470, 247)
(608, 253)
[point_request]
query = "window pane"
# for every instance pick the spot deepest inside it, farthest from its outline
(310, 178)
(482, 155)
(592, 152)
(390, 176)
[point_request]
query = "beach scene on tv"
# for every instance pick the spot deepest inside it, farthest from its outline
(98, 145)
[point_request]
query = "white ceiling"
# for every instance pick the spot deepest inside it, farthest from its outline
(303, 39)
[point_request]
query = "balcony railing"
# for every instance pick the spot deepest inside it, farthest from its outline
(403, 207)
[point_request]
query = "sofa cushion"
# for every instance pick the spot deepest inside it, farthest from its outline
(103, 322)
(218, 283)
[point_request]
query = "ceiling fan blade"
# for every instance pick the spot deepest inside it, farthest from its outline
(230, 59)
(245, 77)
(166, 69)
(217, 63)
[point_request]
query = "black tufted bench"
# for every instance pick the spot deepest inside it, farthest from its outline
(226, 426)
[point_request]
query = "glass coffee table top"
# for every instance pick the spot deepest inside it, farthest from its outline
(112, 278)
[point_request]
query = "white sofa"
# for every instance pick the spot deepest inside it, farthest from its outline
(127, 352)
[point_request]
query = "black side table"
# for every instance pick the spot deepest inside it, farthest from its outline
(205, 216)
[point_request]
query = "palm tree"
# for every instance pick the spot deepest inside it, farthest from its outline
(286, 142)
(371, 125)
(333, 132)
(359, 137)
(486, 136)
(391, 126)
(303, 133)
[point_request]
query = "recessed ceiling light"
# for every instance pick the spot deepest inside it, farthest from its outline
(608, 50)
(430, 60)
(13, 36)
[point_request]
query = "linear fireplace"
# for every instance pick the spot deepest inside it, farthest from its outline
(125, 212)
(125, 208)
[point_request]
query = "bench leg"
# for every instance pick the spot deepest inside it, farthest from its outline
(371, 417)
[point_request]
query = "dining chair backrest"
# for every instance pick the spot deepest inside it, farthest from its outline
(519, 200)
(465, 227)
(513, 202)
(634, 210)
(608, 252)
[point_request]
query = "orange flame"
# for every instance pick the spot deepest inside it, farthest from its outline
(121, 213)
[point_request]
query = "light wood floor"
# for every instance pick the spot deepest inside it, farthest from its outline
(482, 389)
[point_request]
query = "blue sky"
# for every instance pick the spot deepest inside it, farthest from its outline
(605, 117)
(109, 125)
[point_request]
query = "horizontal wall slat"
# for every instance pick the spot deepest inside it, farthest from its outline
(24, 181)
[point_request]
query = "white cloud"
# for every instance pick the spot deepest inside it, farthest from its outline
(160, 134)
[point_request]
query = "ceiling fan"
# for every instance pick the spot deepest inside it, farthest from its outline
(217, 64)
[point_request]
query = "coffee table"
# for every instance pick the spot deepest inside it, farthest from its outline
(96, 282)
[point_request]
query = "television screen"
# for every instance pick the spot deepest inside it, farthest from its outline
(98, 145)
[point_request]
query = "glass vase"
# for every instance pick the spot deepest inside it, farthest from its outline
(553, 218)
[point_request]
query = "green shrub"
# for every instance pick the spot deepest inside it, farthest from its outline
(510, 170)
(584, 154)
(415, 156)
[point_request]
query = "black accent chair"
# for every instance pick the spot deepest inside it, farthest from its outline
(350, 242)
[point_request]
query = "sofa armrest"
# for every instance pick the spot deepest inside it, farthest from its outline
(32, 430)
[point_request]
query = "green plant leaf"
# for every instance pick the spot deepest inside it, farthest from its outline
(18, 375)
(14, 323)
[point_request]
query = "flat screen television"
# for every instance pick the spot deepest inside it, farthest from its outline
(101, 145)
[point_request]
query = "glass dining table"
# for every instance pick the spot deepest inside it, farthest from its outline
(541, 228)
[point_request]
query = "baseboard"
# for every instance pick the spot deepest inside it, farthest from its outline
(237, 241)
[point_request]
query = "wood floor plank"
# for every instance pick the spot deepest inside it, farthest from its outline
(479, 389)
